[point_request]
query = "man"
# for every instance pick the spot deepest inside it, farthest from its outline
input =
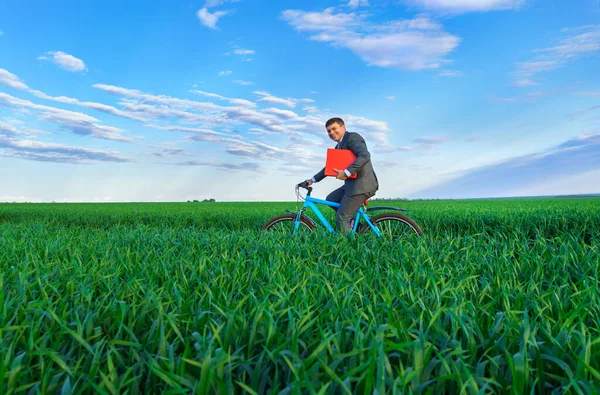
(355, 191)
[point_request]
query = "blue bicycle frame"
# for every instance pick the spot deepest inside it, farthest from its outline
(311, 202)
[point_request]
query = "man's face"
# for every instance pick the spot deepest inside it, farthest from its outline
(336, 131)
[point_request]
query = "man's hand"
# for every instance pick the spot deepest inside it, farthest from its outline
(340, 174)
(309, 182)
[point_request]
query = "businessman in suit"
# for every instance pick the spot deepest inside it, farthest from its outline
(355, 191)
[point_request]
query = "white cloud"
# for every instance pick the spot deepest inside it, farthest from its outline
(214, 3)
(582, 41)
(239, 102)
(285, 114)
(267, 97)
(414, 44)
(224, 73)
(358, 3)
(12, 146)
(524, 82)
(390, 97)
(431, 141)
(51, 152)
(321, 21)
(494, 99)
(575, 46)
(512, 176)
(76, 122)
(199, 133)
(289, 102)
(244, 51)
(588, 93)
(534, 67)
(210, 20)
(242, 82)
(276, 137)
(271, 120)
(450, 73)
(11, 80)
(579, 113)
(464, 6)
(242, 102)
(65, 61)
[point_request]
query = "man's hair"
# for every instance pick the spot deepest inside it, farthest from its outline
(339, 121)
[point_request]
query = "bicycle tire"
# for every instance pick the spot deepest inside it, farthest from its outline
(288, 217)
(377, 219)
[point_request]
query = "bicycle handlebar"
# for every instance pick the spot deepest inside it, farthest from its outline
(304, 185)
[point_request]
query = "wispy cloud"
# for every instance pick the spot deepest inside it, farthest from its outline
(12, 146)
(244, 52)
(215, 3)
(578, 43)
(76, 122)
(13, 81)
(247, 166)
(17, 127)
(289, 102)
(531, 97)
(224, 73)
(209, 19)
(450, 73)
(580, 113)
(357, 3)
(506, 178)
(200, 119)
(495, 99)
(212, 117)
(524, 83)
(411, 44)
(588, 93)
(464, 6)
(431, 142)
(64, 60)
(235, 101)
(242, 82)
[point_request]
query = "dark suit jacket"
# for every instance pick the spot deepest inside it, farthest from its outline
(366, 179)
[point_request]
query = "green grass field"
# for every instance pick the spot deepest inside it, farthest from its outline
(497, 296)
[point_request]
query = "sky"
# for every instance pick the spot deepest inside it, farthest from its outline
(120, 101)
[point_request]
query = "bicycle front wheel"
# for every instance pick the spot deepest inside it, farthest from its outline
(285, 224)
(393, 225)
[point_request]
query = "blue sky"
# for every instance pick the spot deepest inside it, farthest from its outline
(173, 101)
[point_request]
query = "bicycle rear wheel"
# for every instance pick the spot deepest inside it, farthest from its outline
(393, 225)
(285, 224)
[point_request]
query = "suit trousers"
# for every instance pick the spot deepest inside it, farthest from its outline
(349, 205)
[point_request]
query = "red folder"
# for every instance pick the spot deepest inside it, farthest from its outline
(338, 159)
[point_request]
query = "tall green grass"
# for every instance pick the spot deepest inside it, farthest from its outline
(155, 298)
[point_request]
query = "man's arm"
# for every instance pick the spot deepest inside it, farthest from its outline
(357, 145)
(319, 176)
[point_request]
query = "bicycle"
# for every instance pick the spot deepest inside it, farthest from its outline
(379, 224)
